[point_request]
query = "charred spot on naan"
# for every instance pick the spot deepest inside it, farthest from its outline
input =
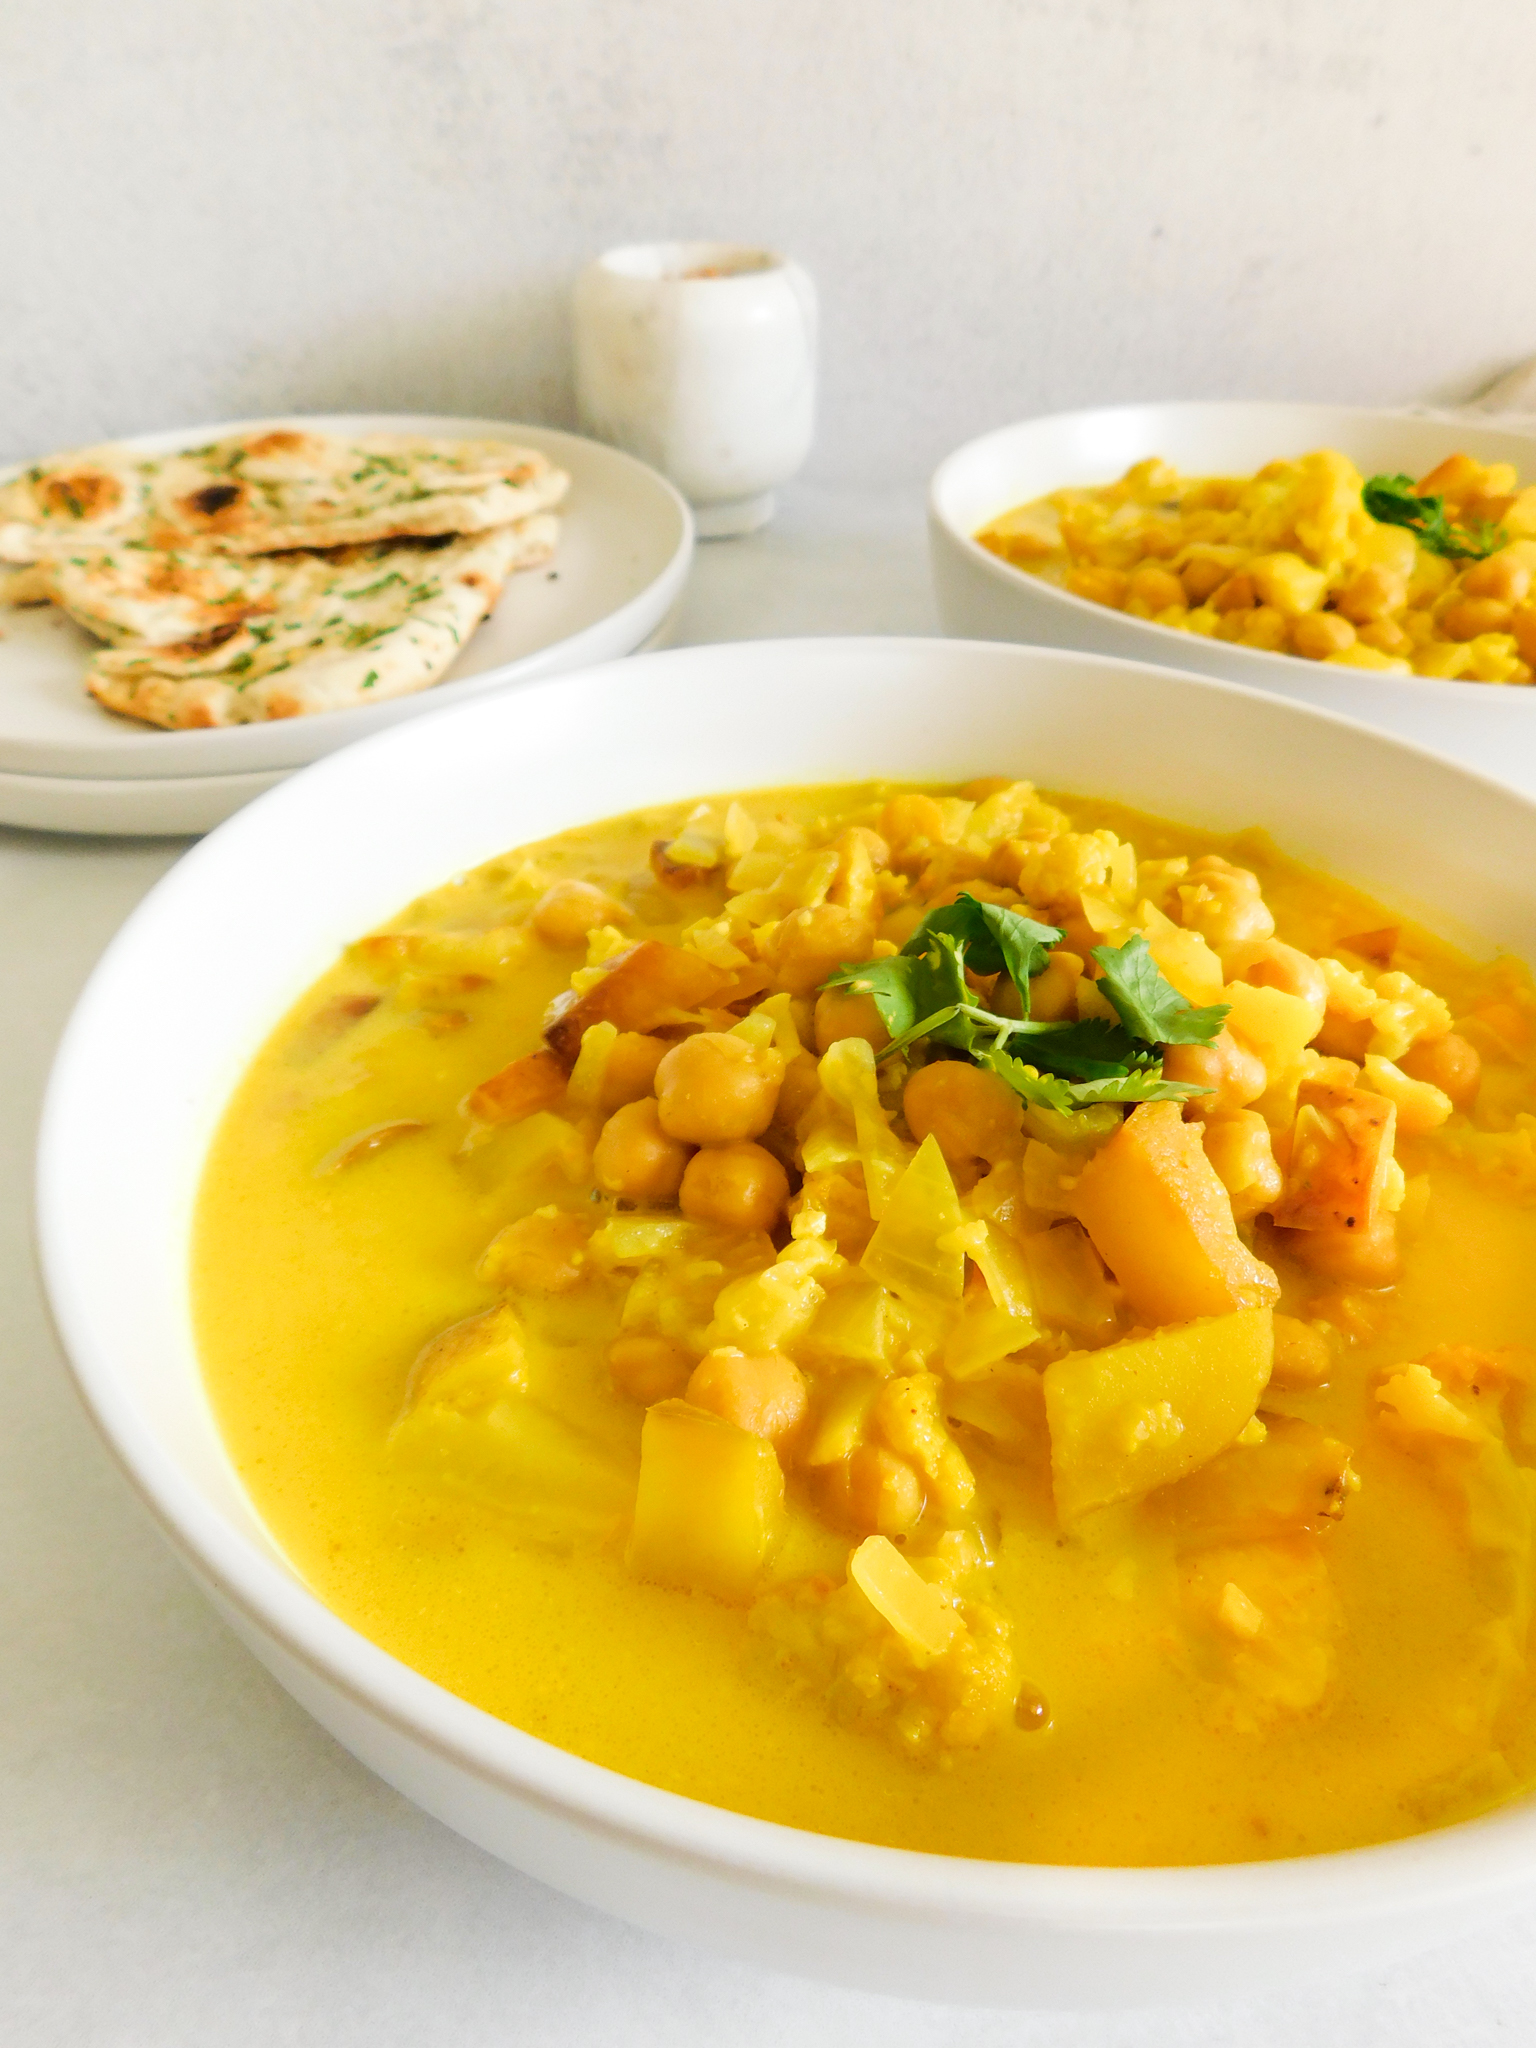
(79, 494)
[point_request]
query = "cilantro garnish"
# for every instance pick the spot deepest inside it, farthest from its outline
(922, 993)
(1393, 501)
(1149, 1007)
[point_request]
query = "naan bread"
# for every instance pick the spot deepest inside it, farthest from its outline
(369, 623)
(262, 492)
(272, 489)
(86, 498)
(136, 595)
(23, 583)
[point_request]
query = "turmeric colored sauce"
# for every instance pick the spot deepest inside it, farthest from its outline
(856, 1441)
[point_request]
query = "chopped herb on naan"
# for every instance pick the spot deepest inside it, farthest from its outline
(320, 633)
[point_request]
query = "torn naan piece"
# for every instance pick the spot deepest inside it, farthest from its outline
(389, 620)
(277, 488)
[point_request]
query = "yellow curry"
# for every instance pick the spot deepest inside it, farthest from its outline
(959, 1319)
(1307, 557)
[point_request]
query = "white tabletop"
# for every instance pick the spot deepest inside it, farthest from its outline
(186, 1859)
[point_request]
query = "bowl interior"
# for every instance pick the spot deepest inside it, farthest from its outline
(249, 918)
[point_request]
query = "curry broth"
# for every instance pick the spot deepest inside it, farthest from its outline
(322, 1268)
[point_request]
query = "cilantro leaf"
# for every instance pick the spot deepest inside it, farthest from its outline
(993, 938)
(1392, 501)
(889, 983)
(1149, 1006)
(1050, 1091)
(1091, 1050)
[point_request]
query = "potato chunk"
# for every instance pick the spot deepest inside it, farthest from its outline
(1161, 1221)
(710, 1503)
(1341, 1152)
(1150, 1410)
(648, 985)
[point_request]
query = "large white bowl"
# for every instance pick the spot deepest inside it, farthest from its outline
(209, 963)
(1489, 727)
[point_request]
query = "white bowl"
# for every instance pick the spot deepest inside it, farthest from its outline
(239, 929)
(1488, 726)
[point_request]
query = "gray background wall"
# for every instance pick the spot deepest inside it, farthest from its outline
(213, 207)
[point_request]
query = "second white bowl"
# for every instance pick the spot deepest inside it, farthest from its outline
(1486, 725)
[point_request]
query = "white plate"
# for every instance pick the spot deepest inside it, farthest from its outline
(1484, 725)
(626, 542)
(237, 931)
(145, 806)
(131, 807)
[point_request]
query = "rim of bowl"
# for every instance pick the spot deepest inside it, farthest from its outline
(1433, 689)
(1489, 1854)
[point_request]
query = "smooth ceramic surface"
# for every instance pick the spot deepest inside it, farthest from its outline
(700, 357)
(985, 598)
(204, 969)
(626, 543)
(132, 807)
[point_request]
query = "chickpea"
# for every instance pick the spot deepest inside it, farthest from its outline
(1451, 1064)
(809, 944)
(1233, 1075)
(1156, 587)
(911, 827)
(1316, 635)
(760, 1391)
(1370, 595)
(1267, 628)
(1099, 586)
(630, 1071)
(568, 910)
(647, 1369)
(1387, 637)
(1270, 963)
(1456, 478)
(713, 1089)
(797, 1091)
(1239, 1148)
(973, 1114)
(1360, 1258)
(980, 787)
(1522, 623)
(900, 923)
(1202, 578)
(545, 1253)
(1237, 594)
(1470, 616)
(636, 1158)
(1502, 576)
(1053, 992)
(842, 1014)
(740, 1187)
